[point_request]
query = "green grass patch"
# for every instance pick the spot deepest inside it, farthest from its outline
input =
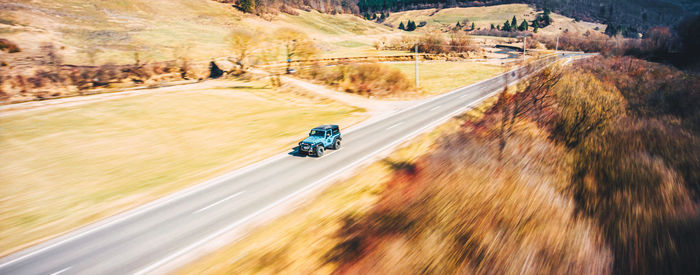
(441, 77)
(350, 44)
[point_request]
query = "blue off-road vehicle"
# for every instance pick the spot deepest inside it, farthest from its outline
(320, 138)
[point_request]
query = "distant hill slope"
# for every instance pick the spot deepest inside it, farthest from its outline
(483, 17)
(639, 14)
(157, 29)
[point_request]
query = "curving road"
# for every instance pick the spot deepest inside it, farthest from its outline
(143, 240)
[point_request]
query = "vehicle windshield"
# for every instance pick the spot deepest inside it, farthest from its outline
(317, 133)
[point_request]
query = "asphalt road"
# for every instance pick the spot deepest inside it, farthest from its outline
(142, 240)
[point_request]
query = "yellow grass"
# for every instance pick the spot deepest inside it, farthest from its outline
(297, 242)
(483, 17)
(65, 167)
(165, 29)
(439, 77)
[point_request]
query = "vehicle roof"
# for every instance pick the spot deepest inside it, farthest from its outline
(326, 127)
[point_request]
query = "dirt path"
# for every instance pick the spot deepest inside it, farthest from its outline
(373, 106)
(11, 109)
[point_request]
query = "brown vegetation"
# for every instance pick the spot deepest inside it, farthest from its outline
(432, 43)
(367, 79)
(288, 6)
(598, 176)
(8, 46)
(54, 80)
(462, 210)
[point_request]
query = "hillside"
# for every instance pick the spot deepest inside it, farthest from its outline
(112, 31)
(483, 17)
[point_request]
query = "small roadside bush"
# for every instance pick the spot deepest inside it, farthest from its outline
(8, 46)
(461, 42)
(433, 43)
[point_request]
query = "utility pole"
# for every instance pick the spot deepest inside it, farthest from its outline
(557, 48)
(416, 46)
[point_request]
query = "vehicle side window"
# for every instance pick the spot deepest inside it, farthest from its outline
(335, 131)
(328, 134)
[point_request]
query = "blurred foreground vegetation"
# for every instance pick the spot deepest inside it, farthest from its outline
(592, 170)
(589, 170)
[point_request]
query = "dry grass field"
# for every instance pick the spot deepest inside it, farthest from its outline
(66, 167)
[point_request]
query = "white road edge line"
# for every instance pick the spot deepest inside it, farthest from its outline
(435, 108)
(61, 271)
(87, 229)
(218, 202)
(393, 126)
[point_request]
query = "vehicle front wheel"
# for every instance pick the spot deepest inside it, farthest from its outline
(319, 151)
(336, 144)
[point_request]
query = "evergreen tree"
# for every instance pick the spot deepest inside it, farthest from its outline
(514, 23)
(473, 26)
(506, 26)
(543, 20)
(247, 6)
(523, 26)
(535, 26)
(401, 26)
(459, 27)
(498, 27)
(411, 26)
(493, 27)
(382, 17)
(611, 30)
(547, 19)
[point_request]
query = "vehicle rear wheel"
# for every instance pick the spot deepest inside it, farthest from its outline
(336, 144)
(319, 151)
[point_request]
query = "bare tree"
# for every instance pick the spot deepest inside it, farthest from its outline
(182, 54)
(243, 43)
(52, 57)
(296, 44)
